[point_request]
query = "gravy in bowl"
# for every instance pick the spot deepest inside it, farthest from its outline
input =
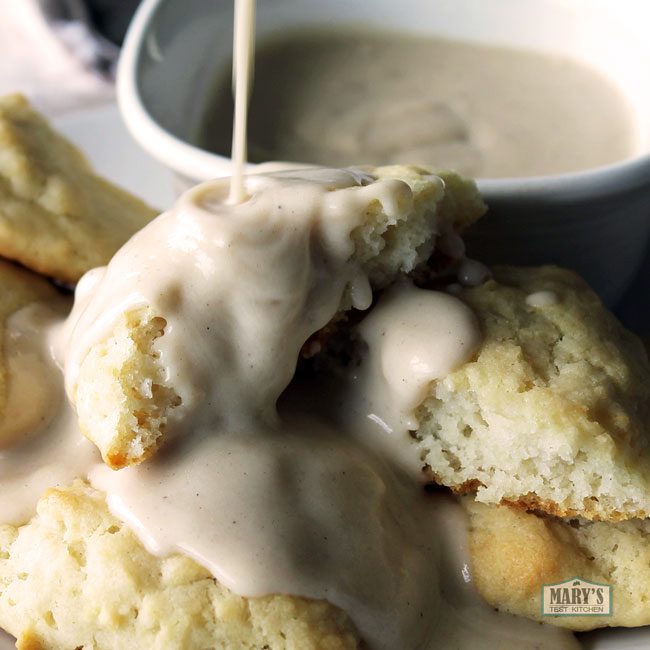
(350, 97)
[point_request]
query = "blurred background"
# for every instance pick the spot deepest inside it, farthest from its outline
(61, 53)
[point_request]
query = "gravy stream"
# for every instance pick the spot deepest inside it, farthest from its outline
(243, 52)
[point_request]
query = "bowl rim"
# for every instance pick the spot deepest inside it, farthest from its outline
(195, 163)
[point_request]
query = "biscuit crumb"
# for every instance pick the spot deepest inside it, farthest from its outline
(553, 413)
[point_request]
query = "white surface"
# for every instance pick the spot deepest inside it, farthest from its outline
(103, 138)
(42, 60)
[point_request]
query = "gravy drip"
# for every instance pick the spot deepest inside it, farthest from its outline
(414, 337)
(243, 52)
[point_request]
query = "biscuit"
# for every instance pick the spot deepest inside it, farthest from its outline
(123, 400)
(76, 577)
(56, 216)
(514, 553)
(19, 287)
(121, 397)
(553, 412)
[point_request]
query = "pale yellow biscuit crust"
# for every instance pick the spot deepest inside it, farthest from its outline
(75, 577)
(56, 216)
(514, 553)
(554, 412)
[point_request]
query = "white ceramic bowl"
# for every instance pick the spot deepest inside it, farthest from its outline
(596, 221)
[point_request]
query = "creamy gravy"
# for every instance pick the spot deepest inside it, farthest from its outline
(28, 407)
(352, 97)
(415, 337)
(49, 450)
(281, 500)
(542, 299)
(304, 510)
(249, 282)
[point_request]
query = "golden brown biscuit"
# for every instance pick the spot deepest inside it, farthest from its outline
(19, 287)
(554, 411)
(514, 553)
(77, 577)
(56, 216)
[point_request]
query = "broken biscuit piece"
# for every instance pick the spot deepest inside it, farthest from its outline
(57, 216)
(123, 400)
(553, 412)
